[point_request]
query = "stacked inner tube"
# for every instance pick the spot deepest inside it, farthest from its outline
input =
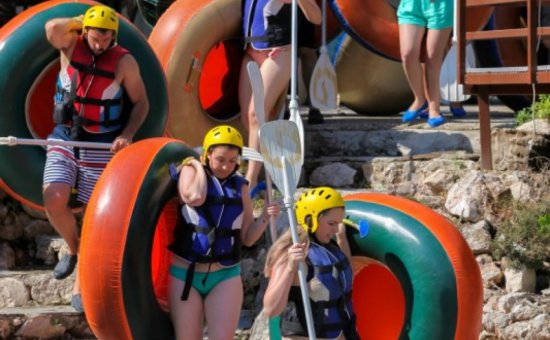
(199, 45)
(373, 23)
(368, 83)
(153, 9)
(183, 38)
(29, 67)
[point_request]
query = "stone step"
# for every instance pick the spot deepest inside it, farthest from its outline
(34, 288)
(345, 133)
(62, 322)
(43, 322)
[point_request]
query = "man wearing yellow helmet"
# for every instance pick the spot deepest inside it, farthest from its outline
(100, 97)
(206, 252)
(320, 213)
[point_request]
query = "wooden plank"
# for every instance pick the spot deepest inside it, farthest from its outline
(509, 33)
(543, 32)
(476, 3)
(479, 3)
(496, 78)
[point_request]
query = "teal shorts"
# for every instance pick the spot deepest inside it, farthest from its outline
(205, 286)
(432, 14)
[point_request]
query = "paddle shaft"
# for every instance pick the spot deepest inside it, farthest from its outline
(324, 25)
(289, 204)
(449, 88)
(293, 105)
(11, 141)
(455, 21)
(248, 153)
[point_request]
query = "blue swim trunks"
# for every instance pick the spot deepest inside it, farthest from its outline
(432, 14)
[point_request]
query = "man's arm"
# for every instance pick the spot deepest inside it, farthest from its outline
(63, 32)
(135, 88)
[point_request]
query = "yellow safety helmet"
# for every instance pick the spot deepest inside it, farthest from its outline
(101, 17)
(222, 135)
(313, 202)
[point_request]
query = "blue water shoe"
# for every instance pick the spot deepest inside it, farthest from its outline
(457, 111)
(436, 121)
(76, 303)
(410, 115)
(64, 267)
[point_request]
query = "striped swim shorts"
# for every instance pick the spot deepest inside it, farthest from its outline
(82, 172)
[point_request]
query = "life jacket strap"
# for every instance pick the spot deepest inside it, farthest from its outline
(91, 69)
(188, 282)
(211, 199)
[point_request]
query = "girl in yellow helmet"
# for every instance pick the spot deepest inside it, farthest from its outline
(325, 250)
(205, 280)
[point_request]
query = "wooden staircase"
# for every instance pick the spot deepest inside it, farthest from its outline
(527, 79)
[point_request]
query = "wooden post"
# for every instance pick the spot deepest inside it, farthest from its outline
(485, 128)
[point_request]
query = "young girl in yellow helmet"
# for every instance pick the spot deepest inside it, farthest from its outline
(325, 250)
(205, 281)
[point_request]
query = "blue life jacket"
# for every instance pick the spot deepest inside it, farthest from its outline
(211, 232)
(266, 23)
(328, 265)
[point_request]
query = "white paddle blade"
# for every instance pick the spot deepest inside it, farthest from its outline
(323, 86)
(297, 119)
(451, 90)
(257, 90)
(281, 139)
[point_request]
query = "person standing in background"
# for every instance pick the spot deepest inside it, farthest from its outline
(435, 19)
(267, 37)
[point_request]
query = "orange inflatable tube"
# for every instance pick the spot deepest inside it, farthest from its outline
(123, 255)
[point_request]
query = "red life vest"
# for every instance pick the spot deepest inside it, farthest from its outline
(98, 95)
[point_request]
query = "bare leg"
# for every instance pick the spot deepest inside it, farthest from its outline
(436, 42)
(309, 57)
(187, 316)
(276, 74)
(410, 42)
(60, 215)
(222, 322)
(249, 119)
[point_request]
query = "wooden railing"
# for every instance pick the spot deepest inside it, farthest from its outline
(502, 80)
